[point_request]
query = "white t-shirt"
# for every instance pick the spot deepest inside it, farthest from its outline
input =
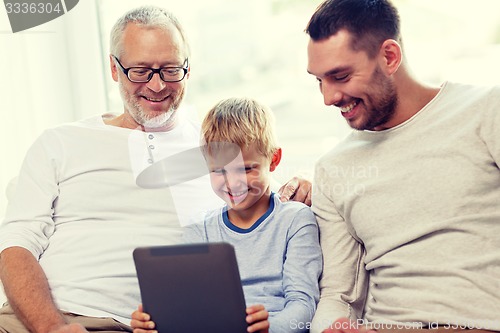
(77, 207)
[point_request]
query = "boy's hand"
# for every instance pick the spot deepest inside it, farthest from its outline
(141, 322)
(256, 319)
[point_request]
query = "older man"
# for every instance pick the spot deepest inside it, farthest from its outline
(78, 212)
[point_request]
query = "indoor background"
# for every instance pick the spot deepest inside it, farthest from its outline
(59, 72)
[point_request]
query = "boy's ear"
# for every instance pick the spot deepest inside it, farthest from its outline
(275, 160)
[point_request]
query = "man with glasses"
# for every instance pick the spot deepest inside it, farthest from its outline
(78, 213)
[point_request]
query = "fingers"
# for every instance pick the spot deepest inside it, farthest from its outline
(257, 319)
(140, 326)
(71, 328)
(260, 327)
(297, 189)
(141, 321)
(344, 325)
(139, 315)
(307, 200)
(288, 190)
(139, 330)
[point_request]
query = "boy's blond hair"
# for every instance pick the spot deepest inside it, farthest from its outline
(240, 121)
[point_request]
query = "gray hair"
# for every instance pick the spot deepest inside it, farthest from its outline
(147, 16)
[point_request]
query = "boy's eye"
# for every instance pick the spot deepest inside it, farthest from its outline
(219, 171)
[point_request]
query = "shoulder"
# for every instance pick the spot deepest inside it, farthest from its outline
(73, 128)
(470, 96)
(189, 125)
(344, 150)
(293, 213)
(212, 217)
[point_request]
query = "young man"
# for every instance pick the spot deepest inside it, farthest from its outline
(77, 213)
(277, 244)
(409, 204)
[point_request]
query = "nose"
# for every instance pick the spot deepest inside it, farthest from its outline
(236, 180)
(156, 84)
(331, 94)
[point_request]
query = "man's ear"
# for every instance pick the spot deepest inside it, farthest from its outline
(114, 70)
(391, 56)
(188, 72)
(275, 160)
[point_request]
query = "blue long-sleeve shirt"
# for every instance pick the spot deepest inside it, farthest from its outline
(279, 259)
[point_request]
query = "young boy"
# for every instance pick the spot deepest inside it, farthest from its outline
(276, 244)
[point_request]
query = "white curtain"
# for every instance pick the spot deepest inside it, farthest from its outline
(50, 74)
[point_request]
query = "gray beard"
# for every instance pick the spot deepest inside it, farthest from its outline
(161, 120)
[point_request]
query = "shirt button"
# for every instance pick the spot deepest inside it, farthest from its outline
(150, 161)
(151, 147)
(151, 136)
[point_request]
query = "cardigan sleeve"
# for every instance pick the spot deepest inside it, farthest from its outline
(344, 282)
(28, 222)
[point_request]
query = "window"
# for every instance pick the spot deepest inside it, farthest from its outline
(259, 44)
(258, 49)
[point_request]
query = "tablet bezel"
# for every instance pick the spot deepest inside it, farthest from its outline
(191, 288)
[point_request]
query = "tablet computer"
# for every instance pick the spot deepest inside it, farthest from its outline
(191, 288)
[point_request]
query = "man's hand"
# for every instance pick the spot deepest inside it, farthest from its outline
(344, 325)
(296, 189)
(70, 328)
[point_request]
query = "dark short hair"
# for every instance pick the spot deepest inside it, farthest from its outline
(370, 22)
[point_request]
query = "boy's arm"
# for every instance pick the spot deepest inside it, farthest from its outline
(302, 268)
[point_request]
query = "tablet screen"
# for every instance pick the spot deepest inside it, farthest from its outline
(191, 288)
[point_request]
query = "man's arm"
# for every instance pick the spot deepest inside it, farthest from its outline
(29, 294)
(344, 282)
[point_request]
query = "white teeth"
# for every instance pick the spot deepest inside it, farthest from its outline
(154, 100)
(237, 194)
(349, 107)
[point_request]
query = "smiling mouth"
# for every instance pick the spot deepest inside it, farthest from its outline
(155, 100)
(237, 194)
(348, 108)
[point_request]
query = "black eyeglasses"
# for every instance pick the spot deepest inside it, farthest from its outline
(145, 74)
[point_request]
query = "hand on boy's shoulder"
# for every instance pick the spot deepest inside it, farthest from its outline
(296, 189)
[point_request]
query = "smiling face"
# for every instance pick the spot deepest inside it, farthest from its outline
(352, 81)
(152, 104)
(244, 182)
